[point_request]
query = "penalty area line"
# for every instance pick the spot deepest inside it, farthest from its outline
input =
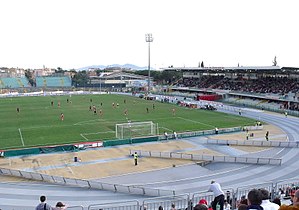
(21, 137)
(182, 118)
(166, 129)
(83, 136)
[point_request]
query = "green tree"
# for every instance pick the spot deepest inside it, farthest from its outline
(163, 77)
(29, 76)
(80, 78)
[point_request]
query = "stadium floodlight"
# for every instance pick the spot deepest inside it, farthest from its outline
(149, 38)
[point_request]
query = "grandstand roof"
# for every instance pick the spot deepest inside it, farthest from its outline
(238, 68)
(235, 69)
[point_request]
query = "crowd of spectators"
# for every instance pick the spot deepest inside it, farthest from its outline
(273, 85)
(256, 199)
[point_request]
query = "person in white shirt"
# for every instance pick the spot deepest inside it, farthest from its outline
(226, 205)
(218, 194)
(266, 204)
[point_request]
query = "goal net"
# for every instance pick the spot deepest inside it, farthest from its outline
(135, 129)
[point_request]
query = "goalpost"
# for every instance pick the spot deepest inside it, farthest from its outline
(135, 129)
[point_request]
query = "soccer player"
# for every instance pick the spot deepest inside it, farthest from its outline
(146, 109)
(94, 109)
(61, 116)
(100, 112)
(52, 103)
(153, 106)
(18, 110)
(58, 104)
(126, 112)
(173, 111)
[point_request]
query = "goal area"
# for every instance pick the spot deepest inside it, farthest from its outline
(136, 129)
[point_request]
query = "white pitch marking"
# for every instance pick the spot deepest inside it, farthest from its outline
(21, 137)
(167, 129)
(83, 136)
(98, 132)
(195, 121)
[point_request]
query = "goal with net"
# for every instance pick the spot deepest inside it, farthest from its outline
(136, 129)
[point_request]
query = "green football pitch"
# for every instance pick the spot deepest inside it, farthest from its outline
(38, 123)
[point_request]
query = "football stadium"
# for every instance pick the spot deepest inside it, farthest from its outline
(112, 144)
(149, 105)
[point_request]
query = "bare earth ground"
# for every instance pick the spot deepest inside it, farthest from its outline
(112, 161)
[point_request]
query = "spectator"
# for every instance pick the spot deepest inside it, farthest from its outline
(295, 202)
(172, 207)
(190, 205)
(218, 194)
(203, 201)
(228, 197)
(201, 207)
(43, 205)
(60, 206)
(255, 199)
(242, 207)
(226, 205)
(266, 204)
(243, 200)
(277, 201)
(160, 208)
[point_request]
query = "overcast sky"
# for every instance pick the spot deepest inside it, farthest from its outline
(73, 34)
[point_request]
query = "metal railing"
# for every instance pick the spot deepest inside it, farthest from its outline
(179, 201)
(213, 158)
(125, 205)
(87, 183)
(253, 143)
(75, 207)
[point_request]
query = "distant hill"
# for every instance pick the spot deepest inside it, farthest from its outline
(126, 66)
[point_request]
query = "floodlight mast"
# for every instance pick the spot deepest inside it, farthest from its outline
(149, 38)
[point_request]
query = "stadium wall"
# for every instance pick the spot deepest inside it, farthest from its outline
(108, 143)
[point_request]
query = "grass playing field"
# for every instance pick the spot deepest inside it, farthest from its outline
(39, 123)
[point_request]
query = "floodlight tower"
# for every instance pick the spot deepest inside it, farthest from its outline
(149, 38)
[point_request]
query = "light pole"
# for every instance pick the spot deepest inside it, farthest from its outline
(149, 38)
